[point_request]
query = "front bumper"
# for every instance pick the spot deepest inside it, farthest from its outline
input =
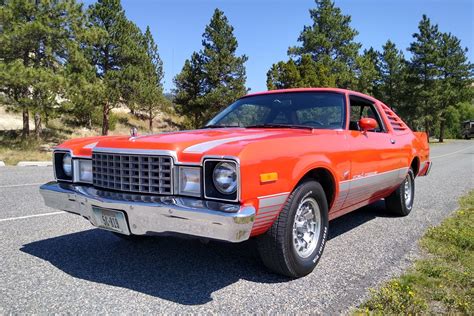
(149, 215)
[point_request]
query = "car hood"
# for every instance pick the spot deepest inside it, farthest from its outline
(187, 146)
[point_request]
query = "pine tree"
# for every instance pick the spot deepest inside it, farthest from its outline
(117, 55)
(368, 72)
(190, 90)
(328, 55)
(424, 73)
(34, 45)
(224, 71)
(284, 75)
(150, 89)
(455, 79)
(392, 75)
(220, 74)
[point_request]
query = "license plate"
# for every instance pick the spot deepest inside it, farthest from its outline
(113, 220)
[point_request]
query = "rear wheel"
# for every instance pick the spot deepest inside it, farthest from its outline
(400, 202)
(294, 244)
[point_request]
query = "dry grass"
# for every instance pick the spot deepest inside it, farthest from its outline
(14, 149)
(12, 157)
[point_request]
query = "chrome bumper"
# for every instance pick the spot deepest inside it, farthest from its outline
(425, 170)
(148, 215)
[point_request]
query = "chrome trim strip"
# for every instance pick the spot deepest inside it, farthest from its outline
(344, 184)
(157, 152)
(155, 215)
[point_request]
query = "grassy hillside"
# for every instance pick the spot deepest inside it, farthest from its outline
(14, 148)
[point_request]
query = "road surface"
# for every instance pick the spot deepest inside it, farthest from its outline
(54, 262)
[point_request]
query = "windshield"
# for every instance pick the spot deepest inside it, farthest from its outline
(321, 110)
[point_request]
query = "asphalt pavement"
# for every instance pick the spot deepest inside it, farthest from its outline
(54, 262)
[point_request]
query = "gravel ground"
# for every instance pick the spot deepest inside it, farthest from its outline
(58, 263)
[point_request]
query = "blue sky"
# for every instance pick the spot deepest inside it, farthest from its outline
(266, 28)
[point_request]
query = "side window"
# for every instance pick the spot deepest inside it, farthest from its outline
(246, 114)
(363, 109)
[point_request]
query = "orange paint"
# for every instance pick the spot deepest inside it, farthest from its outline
(364, 165)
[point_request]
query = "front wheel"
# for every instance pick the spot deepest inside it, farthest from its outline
(400, 202)
(294, 244)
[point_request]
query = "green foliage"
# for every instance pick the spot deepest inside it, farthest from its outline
(439, 76)
(149, 90)
(212, 78)
(120, 57)
(329, 45)
(443, 282)
(393, 73)
(368, 72)
(35, 40)
(426, 91)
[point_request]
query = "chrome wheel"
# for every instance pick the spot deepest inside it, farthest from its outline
(306, 227)
(408, 194)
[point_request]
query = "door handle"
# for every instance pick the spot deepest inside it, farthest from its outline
(393, 141)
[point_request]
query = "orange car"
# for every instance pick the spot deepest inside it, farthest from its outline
(277, 165)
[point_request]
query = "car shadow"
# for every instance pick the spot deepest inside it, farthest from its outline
(184, 271)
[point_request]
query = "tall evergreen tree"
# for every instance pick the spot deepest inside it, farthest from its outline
(34, 45)
(368, 72)
(117, 55)
(392, 75)
(150, 89)
(190, 90)
(284, 75)
(328, 55)
(424, 73)
(221, 74)
(455, 78)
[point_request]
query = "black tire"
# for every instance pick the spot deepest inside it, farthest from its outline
(396, 203)
(276, 247)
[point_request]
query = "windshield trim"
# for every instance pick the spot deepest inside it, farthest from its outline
(229, 108)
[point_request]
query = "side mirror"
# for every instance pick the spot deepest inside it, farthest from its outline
(367, 124)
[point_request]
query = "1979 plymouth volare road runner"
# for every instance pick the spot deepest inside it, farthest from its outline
(277, 166)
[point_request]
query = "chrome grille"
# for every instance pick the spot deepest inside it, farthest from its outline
(133, 173)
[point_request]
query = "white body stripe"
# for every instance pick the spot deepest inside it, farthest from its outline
(205, 146)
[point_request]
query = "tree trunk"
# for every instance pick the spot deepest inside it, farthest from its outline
(105, 119)
(442, 126)
(38, 127)
(150, 119)
(427, 131)
(26, 123)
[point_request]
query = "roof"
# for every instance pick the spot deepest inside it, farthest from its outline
(338, 90)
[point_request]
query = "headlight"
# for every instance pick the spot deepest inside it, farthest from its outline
(67, 165)
(190, 181)
(224, 177)
(85, 170)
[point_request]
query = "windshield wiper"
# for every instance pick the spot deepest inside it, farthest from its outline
(273, 125)
(220, 126)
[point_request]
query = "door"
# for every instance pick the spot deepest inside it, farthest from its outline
(375, 162)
